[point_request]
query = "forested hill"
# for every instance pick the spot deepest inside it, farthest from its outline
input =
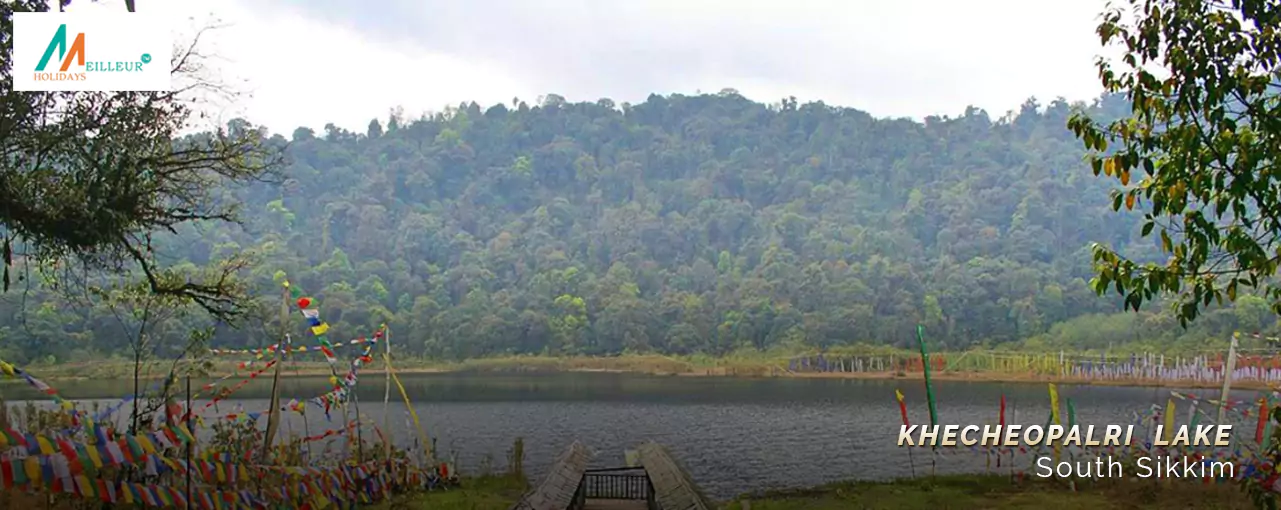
(683, 224)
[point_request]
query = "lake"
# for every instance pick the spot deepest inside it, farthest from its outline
(734, 435)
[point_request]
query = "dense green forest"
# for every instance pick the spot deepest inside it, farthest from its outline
(684, 224)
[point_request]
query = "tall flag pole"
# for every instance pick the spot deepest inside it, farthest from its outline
(925, 364)
(387, 389)
(929, 389)
(1227, 376)
(273, 416)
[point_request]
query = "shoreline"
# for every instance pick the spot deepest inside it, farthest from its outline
(991, 491)
(658, 366)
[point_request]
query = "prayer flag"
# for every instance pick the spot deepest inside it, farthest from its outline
(925, 364)
(902, 407)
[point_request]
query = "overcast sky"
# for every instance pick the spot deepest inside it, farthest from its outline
(312, 62)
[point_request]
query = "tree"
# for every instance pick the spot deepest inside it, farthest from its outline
(1197, 150)
(86, 178)
(145, 319)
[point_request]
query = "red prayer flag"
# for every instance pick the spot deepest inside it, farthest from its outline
(902, 407)
(1263, 420)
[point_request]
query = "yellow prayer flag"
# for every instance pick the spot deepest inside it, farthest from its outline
(1169, 420)
(899, 395)
(46, 448)
(321, 329)
(93, 456)
(146, 444)
(32, 466)
(1054, 404)
(1054, 415)
(422, 436)
(86, 488)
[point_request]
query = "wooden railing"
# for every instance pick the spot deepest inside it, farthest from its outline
(616, 483)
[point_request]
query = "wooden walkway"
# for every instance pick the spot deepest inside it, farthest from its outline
(558, 490)
(673, 487)
(665, 484)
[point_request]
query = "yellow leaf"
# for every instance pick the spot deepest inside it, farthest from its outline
(1129, 201)
(1109, 166)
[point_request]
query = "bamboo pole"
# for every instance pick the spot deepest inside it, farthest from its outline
(1227, 377)
(190, 444)
(273, 418)
(360, 440)
(387, 435)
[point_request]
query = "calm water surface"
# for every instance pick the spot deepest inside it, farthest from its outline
(734, 435)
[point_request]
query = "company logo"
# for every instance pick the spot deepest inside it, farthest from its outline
(59, 43)
(76, 53)
(104, 53)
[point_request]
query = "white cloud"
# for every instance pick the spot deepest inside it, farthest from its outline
(311, 62)
(294, 71)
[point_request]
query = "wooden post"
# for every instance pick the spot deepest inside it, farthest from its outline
(273, 418)
(387, 395)
(190, 444)
(360, 440)
(1227, 377)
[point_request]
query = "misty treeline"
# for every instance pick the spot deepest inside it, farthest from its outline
(684, 224)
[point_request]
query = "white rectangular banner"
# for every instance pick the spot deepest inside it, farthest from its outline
(103, 52)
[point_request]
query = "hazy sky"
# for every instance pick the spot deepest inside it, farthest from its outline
(311, 62)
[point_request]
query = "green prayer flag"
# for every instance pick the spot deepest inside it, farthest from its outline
(1071, 413)
(925, 364)
(19, 471)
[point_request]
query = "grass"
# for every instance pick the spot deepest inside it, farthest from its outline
(496, 492)
(998, 493)
(954, 492)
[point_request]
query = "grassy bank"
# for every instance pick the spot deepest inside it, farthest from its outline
(998, 493)
(743, 365)
(478, 493)
(951, 492)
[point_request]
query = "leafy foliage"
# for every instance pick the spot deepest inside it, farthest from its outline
(684, 224)
(1197, 150)
(86, 178)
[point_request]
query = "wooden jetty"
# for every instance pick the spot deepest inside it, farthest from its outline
(560, 489)
(674, 489)
(658, 483)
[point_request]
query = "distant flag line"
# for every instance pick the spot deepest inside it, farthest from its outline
(1248, 456)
